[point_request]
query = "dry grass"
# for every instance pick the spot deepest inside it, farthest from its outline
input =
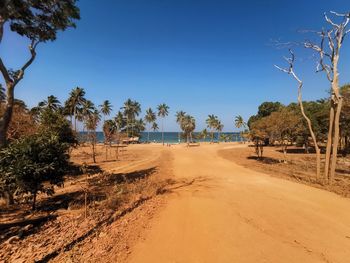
(114, 188)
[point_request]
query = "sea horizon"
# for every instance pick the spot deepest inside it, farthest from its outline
(173, 137)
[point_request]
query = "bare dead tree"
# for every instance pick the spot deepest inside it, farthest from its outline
(290, 71)
(329, 55)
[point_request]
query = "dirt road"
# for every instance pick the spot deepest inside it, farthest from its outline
(226, 213)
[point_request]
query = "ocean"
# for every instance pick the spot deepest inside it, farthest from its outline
(173, 137)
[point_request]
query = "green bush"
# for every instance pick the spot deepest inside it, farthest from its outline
(33, 164)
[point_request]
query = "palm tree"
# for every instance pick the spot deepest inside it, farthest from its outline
(155, 127)
(131, 110)
(219, 127)
(204, 134)
(86, 110)
(211, 122)
(119, 120)
(52, 103)
(74, 103)
(179, 116)
(188, 125)
(106, 109)
(163, 111)
(150, 118)
(91, 123)
(239, 123)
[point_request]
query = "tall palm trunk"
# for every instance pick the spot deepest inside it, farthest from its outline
(163, 131)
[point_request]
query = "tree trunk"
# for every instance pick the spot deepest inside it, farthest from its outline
(335, 142)
(329, 143)
(8, 198)
(6, 117)
(163, 131)
(148, 136)
(34, 200)
(285, 153)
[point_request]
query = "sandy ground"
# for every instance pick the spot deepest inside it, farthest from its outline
(228, 213)
(213, 210)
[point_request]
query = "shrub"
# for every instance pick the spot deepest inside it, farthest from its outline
(33, 164)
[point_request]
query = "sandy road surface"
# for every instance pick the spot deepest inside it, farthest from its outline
(231, 214)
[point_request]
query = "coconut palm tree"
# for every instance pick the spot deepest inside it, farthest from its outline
(219, 127)
(106, 109)
(131, 110)
(150, 118)
(155, 127)
(119, 120)
(86, 110)
(239, 123)
(91, 123)
(188, 125)
(211, 122)
(179, 116)
(51, 103)
(74, 103)
(204, 134)
(163, 111)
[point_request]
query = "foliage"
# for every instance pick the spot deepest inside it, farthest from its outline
(264, 110)
(239, 122)
(106, 108)
(55, 122)
(188, 125)
(40, 20)
(29, 164)
(22, 122)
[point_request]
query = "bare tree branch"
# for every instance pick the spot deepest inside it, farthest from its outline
(5, 72)
(330, 21)
(32, 49)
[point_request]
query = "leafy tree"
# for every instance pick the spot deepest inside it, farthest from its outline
(33, 164)
(345, 118)
(163, 111)
(150, 118)
(55, 123)
(22, 122)
(264, 110)
(38, 21)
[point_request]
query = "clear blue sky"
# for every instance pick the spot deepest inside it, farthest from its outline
(203, 57)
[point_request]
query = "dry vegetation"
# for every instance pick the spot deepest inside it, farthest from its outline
(300, 166)
(59, 229)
